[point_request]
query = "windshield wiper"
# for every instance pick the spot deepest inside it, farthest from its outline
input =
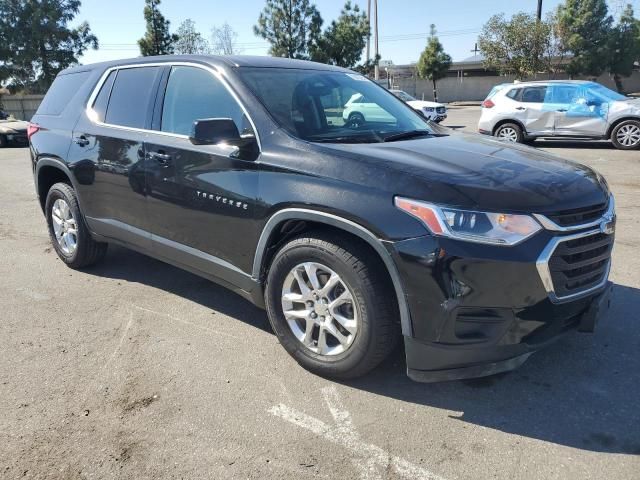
(411, 134)
(349, 139)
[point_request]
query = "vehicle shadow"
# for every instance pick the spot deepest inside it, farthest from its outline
(582, 144)
(581, 391)
(125, 264)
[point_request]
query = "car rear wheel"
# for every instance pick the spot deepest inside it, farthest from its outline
(330, 305)
(626, 135)
(356, 120)
(69, 235)
(509, 132)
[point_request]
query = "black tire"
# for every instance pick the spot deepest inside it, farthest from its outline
(627, 124)
(3, 141)
(517, 135)
(87, 251)
(372, 291)
(356, 120)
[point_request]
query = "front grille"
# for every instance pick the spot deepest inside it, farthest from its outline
(441, 109)
(580, 264)
(578, 216)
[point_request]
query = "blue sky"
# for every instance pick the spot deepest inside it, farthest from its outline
(403, 24)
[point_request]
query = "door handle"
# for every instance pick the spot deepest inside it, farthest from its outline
(521, 108)
(160, 157)
(82, 141)
(561, 110)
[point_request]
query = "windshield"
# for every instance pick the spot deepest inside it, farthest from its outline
(605, 93)
(333, 107)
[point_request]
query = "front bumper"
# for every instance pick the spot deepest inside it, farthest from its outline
(477, 309)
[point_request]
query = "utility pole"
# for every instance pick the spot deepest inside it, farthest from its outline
(369, 36)
(475, 50)
(539, 10)
(376, 70)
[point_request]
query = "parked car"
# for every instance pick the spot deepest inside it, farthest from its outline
(434, 111)
(13, 132)
(352, 236)
(520, 112)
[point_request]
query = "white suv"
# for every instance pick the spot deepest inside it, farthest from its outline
(434, 111)
(517, 112)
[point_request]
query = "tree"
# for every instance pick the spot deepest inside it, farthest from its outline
(224, 40)
(292, 27)
(434, 62)
(521, 46)
(584, 27)
(343, 41)
(157, 40)
(624, 46)
(190, 41)
(36, 41)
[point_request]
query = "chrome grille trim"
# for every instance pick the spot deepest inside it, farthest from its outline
(549, 224)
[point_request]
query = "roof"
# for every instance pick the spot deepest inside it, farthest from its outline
(234, 61)
(578, 82)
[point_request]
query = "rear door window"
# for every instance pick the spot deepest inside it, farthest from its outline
(533, 94)
(131, 97)
(102, 100)
(61, 92)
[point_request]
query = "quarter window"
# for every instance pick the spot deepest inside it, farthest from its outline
(193, 94)
(102, 100)
(131, 96)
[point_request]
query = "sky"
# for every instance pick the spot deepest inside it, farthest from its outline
(403, 24)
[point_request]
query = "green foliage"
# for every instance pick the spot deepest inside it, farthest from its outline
(624, 46)
(190, 41)
(584, 27)
(343, 41)
(157, 40)
(36, 41)
(521, 46)
(292, 27)
(434, 62)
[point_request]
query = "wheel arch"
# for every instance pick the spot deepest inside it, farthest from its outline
(275, 230)
(504, 121)
(49, 171)
(618, 122)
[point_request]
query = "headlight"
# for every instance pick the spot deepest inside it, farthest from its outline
(482, 227)
(429, 109)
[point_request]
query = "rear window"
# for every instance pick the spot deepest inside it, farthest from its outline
(131, 95)
(61, 92)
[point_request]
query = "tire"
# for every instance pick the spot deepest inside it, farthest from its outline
(82, 252)
(356, 120)
(509, 132)
(373, 309)
(626, 135)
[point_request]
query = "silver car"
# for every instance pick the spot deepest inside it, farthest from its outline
(520, 112)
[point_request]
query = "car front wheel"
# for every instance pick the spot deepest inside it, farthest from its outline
(626, 135)
(331, 306)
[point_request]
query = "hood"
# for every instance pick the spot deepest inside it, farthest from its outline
(473, 171)
(424, 103)
(16, 125)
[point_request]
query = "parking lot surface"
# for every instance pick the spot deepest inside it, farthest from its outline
(134, 369)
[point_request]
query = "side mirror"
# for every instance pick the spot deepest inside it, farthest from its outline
(209, 131)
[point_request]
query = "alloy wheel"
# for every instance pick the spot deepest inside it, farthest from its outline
(319, 309)
(508, 134)
(64, 226)
(628, 135)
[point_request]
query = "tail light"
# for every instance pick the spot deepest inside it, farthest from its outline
(31, 129)
(488, 104)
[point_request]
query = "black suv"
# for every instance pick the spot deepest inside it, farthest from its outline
(244, 170)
